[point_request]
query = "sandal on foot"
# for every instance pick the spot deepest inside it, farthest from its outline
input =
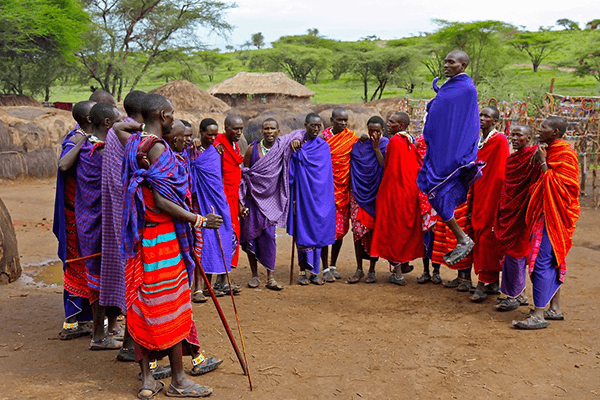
(478, 296)
(464, 286)
(210, 364)
(328, 276)
(424, 278)
(507, 304)
(358, 275)
(398, 281)
(160, 372)
(522, 299)
(530, 323)
(72, 331)
(492, 288)
(273, 285)
(126, 354)
(406, 268)
(453, 284)
(153, 391)
(334, 272)
(107, 343)
(218, 292)
(436, 279)
(316, 279)
(119, 335)
(303, 280)
(199, 297)
(193, 391)
(460, 252)
(254, 282)
(371, 278)
(235, 288)
(553, 315)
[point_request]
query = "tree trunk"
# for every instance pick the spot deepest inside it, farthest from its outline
(10, 266)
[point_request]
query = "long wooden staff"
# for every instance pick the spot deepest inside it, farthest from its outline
(247, 369)
(294, 222)
(220, 312)
(83, 258)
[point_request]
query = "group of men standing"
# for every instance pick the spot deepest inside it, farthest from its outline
(141, 208)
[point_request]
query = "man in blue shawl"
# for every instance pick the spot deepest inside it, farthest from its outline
(451, 132)
(311, 219)
(366, 170)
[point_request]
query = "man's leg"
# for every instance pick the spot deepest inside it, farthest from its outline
(254, 282)
(464, 243)
(180, 383)
(358, 253)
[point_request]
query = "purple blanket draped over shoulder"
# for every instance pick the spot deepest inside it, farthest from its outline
(267, 180)
(451, 132)
(366, 173)
(112, 265)
(207, 187)
(311, 182)
(88, 206)
(59, 224)
(168, 177)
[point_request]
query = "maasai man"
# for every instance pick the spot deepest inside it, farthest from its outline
(208, 193)
(102, 95)
(340, 140)
(188, 134)
(157, 246)
(366, 171)
(112, 265)
(311, 220)
(513, 240)
(88, 216)
(451, 132)
(398, 235)
(487, 255)
(231, 161)
(76, 292)
(551, 216)
(429, 221)
(265, 193)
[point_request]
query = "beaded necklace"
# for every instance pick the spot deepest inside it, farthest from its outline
(264, 149)
(481, 142)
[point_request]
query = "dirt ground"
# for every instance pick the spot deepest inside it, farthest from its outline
(377, 341)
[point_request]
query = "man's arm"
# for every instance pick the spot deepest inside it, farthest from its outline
(68, 160)
(124, 130)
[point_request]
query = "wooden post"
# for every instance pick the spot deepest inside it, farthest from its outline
(552, 85)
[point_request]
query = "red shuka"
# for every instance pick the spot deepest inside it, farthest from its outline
(398, 235)
(231, 162)
(521, 174)
(487, 255)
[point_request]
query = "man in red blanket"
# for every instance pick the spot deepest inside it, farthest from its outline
(398, 235)
(551, 216)
(341, 141)
(487, 255)
(513, 240)
(231, 162)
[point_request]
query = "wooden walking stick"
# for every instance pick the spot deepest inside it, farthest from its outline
(220, 312)
(83, 258)
(294, 221)
(247, 371)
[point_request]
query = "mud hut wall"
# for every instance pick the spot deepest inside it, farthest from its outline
(241, 100)
(10, 266)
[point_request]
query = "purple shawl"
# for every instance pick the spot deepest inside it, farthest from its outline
(207, 189)
(267, 180)
(311, 182)
(88, 204)
(366, 173)
(59, 224)
(112, 265)
(169, 178)
(451, 132)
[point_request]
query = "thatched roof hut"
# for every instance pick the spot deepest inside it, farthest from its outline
(185, 95)
(251, 87)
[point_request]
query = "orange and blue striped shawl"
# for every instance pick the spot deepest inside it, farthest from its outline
(167, 176)
(555, 197)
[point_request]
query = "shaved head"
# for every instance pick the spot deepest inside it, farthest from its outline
(338, 111)
(459, 55)
(102, 95)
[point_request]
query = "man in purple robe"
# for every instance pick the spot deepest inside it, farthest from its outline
(451, 132)
(366, 171)
(264, 191)
(311, 219)
(88, 217)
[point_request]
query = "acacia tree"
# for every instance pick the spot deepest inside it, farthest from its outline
(130, 34)
(258, 40)
(379, 66)
(38, 39)
(537, 45)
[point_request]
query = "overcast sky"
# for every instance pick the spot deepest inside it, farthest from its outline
(354, 19)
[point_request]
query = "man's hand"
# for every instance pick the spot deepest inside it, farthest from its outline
(375, 138)
(540, 153)
(219, 148)
(213, 221)
(243, 211)
(296, 144)
(363, 138)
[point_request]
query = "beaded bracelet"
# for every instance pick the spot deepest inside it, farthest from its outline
(200, 221)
